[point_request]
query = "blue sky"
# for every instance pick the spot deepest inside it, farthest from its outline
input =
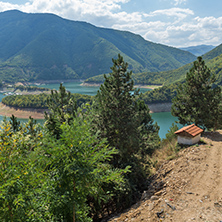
(178, 23)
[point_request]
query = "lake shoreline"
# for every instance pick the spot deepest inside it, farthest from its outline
(22, 113)
(136, 86)
(25, 113)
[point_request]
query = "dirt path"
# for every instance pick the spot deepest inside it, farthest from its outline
(188, 188)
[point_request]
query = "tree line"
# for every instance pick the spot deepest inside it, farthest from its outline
(39, 100)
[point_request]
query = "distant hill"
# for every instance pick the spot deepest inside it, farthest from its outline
(213, 60)
(199, 50)
(172, 79)
(47, 47)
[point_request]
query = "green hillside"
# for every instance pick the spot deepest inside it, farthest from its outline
(171, 79)
(213, 60)
(168, 91)
(45, 47)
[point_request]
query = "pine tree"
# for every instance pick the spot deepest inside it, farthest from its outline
(62, 108)
(198, 99)
(116, 101)
(14, 123)
(122, 118)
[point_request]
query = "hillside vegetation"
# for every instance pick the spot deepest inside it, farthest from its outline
(39, 100)
(45, 46)
(213, 60)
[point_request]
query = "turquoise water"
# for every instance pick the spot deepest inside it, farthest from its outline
(164, 119)
(76, 87)
(73, 87)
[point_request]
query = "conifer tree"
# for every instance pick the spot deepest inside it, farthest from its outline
(116, 103)
(14, 123)
(198, 99)
(124, 120)
(62, 108)
(122, 117)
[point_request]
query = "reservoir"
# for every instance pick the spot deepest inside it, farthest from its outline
(163, 119)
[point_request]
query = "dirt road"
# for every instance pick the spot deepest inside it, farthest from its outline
(188, 188)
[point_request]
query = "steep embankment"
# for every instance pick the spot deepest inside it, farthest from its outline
(188, 188)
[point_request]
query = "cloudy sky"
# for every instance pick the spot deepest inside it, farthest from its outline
(178, 23)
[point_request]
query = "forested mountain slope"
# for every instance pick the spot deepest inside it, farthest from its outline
(172, 79)
(45, 47)
(213, 60)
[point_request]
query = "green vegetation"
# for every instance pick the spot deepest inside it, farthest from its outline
(79, 166)
(30, 88)
(160, 95)
(168, 150)
(44, 179)
(213, 61)
(88, 162)
(171, 79)
(45, 46)
(39, 101)
(198, 100)
(152, 78)
(26, 101)
(124, 120)
(62, 109)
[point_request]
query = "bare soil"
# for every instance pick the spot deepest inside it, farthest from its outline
(21, 113)
(188, 188)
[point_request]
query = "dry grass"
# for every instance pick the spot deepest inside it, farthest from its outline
(168, 151)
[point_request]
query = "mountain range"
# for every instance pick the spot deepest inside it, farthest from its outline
(48, 47)
(199, 50)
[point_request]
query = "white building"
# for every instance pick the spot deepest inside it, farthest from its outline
(189, 135)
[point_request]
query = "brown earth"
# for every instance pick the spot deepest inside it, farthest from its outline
(188, 188)
(39, 113)
(21, 113)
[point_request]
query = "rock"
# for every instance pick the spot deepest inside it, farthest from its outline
(154, 198)
(144, 195)
(159, 193)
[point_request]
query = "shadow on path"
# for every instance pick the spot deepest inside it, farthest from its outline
(214, 136)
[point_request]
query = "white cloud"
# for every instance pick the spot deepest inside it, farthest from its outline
(178, 2)
(171, 12)
(177, 14)
(7, 6)
(98, 12)
(173, 26)
(196, 31)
